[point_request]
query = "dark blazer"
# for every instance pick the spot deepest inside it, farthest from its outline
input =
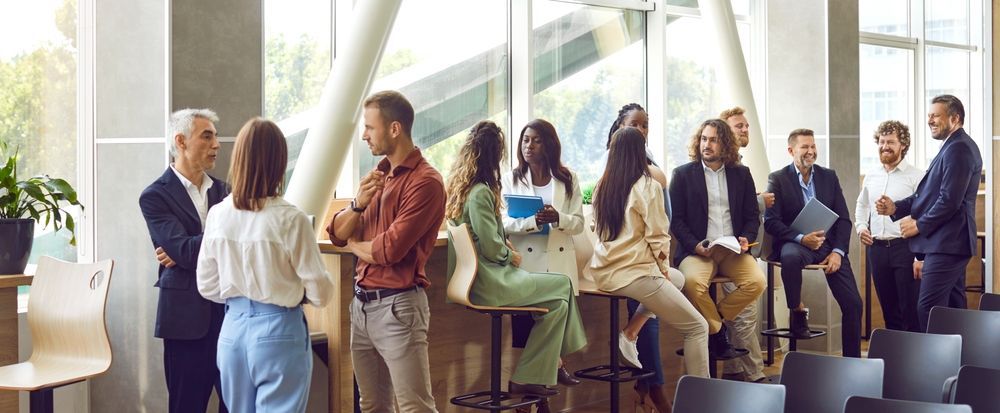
(689, 222)
(173, 223)
(784, 183)
(944, 204)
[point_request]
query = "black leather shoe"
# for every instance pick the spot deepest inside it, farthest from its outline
(566, 379)
(718, 344)
(535, 389)
(798, 323)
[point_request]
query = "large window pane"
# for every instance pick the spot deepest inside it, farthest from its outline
(884, 16)
(296, 55)
(693, 90)
(740, 7)
(38, 69)
(947, 21)
(886, 84)
(588, 64)
(947, 72)
(454, 74)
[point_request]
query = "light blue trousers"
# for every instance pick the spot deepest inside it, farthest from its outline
(264, 357)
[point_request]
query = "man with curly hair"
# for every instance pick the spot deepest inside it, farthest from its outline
(888, 252)
(715, 198)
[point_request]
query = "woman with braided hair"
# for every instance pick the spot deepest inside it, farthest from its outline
(474, 198)
(641, 336)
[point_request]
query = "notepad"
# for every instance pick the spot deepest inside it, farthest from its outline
(814, 217)
(524, 206)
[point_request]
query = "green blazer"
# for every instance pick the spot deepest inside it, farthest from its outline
(498, 282)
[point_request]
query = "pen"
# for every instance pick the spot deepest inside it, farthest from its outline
(753, 244)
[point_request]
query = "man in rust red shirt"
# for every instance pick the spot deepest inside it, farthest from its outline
(391, 226)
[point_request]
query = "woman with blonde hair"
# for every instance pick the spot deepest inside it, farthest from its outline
(474, 189)
(259, 257)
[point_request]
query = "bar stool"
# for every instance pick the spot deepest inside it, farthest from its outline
(459, 286)
(613, 372)
(772, 331)
(712, 370)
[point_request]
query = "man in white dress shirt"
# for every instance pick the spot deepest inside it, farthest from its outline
(889, 256)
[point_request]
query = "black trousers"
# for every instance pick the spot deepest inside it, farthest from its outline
(892, 273)
(943, 284)
(845, 290)
(191, 370)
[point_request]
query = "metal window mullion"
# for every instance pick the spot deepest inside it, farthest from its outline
(521, 53)
(637, 5)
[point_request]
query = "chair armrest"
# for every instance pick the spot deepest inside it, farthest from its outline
(948, 390)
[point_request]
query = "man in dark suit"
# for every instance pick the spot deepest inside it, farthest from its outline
(715, 198)
(175, 207)
(940, 217)
(793, 186)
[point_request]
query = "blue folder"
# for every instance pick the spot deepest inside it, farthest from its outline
(524, 206)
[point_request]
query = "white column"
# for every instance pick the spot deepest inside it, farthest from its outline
(351, 75)
(718, 14)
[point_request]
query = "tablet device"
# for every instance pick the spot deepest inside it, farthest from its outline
(523, 206)
(814, 217)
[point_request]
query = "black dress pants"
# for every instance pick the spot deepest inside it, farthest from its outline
(191, 370)
(892, 273)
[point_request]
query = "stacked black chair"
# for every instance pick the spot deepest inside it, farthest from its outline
(978, 387)
(916, 364)
(980, 331)
(859, 404)
(700, 395)
(989, 302)
(822, 384)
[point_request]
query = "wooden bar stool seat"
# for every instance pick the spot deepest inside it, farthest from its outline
(459, 287)
(69, 335)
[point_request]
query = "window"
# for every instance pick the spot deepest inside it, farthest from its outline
(38, 101)
(905, 62)
(454, 74)
(297, 53)
(588, 63)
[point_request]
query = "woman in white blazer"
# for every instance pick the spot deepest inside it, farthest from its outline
(540, 172)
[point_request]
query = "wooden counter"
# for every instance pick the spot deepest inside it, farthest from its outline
(8, 331)
(459, 342)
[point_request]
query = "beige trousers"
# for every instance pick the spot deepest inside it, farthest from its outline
(741, 268)
(659, 296)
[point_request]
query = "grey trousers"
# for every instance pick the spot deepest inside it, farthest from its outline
(389, 352)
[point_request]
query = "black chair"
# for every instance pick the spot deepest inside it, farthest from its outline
(857, 404)
(822, 384)
(916, 364)
(980, 331)
(699, 395)
(989, 302)
(978, 387)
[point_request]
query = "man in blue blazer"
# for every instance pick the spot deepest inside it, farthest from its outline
(715, 197)
(175, 207)
(940, 217)
(793, 186)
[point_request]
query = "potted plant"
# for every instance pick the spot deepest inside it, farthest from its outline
(22, 203)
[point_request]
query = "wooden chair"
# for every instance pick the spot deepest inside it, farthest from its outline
(459, 287)
(70, 338)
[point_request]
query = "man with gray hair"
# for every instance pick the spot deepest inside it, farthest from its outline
(175, 207)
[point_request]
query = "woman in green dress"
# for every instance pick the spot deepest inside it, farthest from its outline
(474, 199)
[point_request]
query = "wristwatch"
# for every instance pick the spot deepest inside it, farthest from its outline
(355, 208)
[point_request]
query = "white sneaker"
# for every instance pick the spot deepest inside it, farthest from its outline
(628, 350)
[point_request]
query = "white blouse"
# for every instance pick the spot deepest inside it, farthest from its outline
(269, 256)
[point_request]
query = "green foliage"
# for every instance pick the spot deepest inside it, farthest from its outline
(399, 60)
(294, 74)
(588, 192)
(38, 197)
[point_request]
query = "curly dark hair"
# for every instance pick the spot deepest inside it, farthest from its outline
(730, 145)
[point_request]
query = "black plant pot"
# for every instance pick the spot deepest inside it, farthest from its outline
(16, 236)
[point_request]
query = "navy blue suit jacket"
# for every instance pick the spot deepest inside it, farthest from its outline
(944, 204)
(173, 222)
(689, 222)
(788, 202)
